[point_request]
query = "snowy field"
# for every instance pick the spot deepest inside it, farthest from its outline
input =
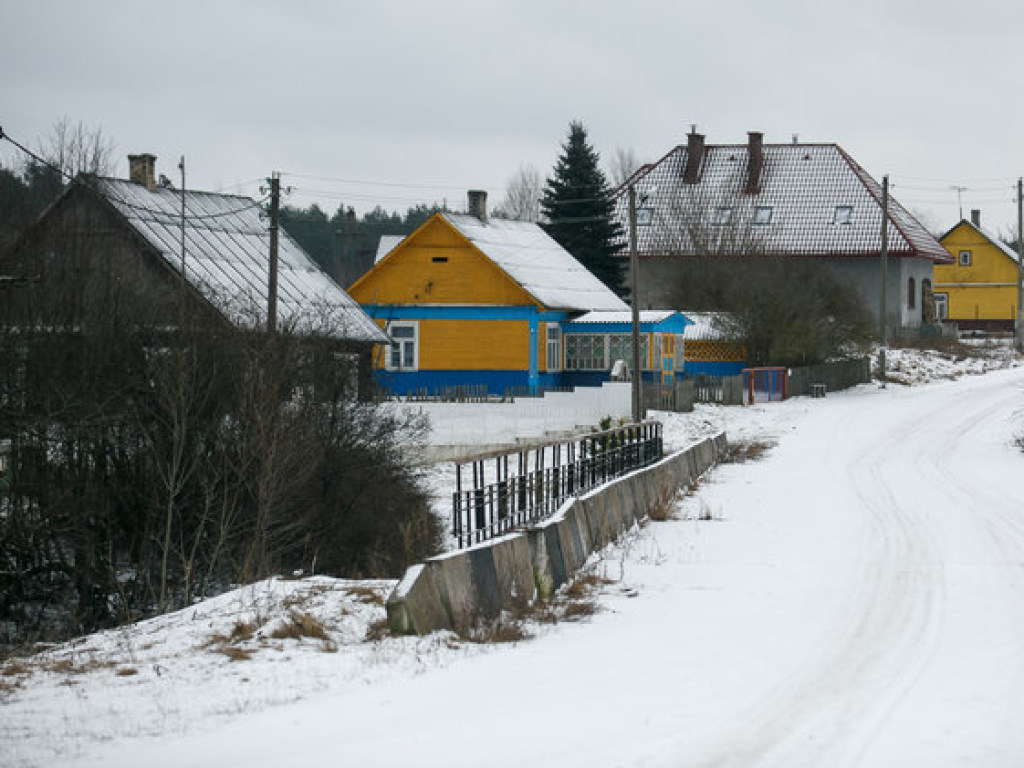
(854, 598)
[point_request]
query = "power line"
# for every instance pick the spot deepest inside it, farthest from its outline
(81, 180)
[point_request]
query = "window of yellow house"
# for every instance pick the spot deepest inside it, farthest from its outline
(964, 259)
(941, 305)
(554, 348)
(403, 355)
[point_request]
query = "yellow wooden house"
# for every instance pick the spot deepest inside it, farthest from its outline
(472, 302)
(979, 289)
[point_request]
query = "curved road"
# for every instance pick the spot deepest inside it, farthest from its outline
(858, 600)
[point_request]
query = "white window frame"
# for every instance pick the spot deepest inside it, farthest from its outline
(964, 259)
(763, 215)
(941, 305)
(553, 351)
(414, 341)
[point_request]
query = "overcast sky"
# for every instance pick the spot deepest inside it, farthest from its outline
(401, 102)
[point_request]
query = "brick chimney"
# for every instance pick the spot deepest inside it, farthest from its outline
(142, 170)
(755, 161)
(976, 217)
(478, 204)
(694, 155)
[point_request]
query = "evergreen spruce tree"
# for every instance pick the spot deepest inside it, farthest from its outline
(578, 209)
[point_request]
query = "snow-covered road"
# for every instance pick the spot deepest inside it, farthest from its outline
(856, 600)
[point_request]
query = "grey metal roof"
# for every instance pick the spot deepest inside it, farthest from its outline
(227, 247)
(801, 184)
(532, 258)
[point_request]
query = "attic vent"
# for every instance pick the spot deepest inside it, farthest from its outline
(807, 156)
(439, 259)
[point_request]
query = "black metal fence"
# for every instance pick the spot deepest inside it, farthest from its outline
(501, 501)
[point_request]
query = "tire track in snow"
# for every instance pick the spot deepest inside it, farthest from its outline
(988, 514)
(828, 712)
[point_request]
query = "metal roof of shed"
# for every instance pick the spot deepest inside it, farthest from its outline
(227, 247)
(660, 320)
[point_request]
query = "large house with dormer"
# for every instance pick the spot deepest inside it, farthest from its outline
(808, 201)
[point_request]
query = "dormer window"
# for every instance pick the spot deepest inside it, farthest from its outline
(722, 216)
(644, 217)
(843, 214)
(763, 215)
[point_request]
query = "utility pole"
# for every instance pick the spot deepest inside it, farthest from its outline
(275, 212)
(634, 285)
(1019, 330)
(884, 269)
(181, 167)
(184, 281)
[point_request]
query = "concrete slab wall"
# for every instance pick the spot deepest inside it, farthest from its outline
(461, 590)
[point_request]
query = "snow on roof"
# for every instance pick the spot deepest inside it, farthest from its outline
(227, 249)
(654, 316)
(812, 200)
(386, 245)
(532, 258)
(706, 326)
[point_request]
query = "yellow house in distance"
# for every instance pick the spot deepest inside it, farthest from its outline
(978, 290)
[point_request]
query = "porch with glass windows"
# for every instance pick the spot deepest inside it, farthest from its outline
(595, 341)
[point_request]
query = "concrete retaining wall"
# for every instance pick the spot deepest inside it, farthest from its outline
(460, 590)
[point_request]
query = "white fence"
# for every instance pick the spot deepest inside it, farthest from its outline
(460, 428)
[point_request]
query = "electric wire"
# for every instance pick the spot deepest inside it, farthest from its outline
(81, 181)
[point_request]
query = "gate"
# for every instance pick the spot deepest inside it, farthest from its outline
(764, 385)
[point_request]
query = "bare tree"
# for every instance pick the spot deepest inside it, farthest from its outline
(150, 464)
(75, 148)
(622, 164)
(522, 196)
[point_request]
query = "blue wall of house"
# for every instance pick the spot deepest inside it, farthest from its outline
(712, 368)
(494, 382)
